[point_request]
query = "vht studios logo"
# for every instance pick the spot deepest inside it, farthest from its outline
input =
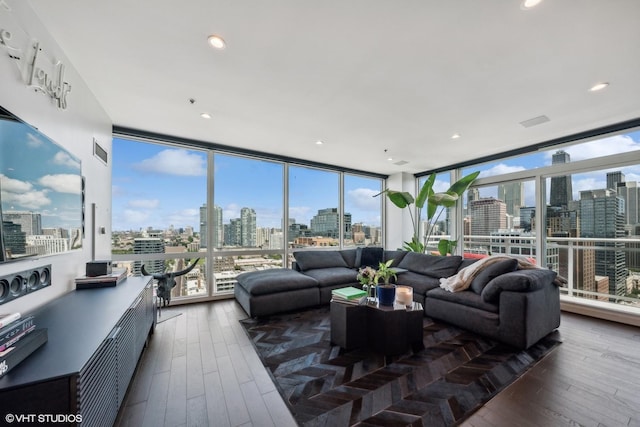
(3, 367)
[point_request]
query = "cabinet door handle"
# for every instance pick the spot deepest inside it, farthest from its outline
(114, 333)
(136, 302)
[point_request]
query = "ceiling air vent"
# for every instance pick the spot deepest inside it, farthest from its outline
(400, 162)
(535, 121)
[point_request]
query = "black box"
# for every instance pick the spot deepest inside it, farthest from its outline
(98, 268)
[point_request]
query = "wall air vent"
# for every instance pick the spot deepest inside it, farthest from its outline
(100, 152)
(535, 121)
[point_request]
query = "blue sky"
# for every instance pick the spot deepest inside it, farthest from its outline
(37, 175)
(158, 186)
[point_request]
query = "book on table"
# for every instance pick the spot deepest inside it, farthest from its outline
(7, 318)
(16, 330)
(348, 293)
(15, 354)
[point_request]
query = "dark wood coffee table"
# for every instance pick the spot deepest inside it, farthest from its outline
(388, 330)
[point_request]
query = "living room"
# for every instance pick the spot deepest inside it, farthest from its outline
(91, 114)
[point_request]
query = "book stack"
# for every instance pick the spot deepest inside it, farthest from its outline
(107, 280)
(349, 295)
(18, 339)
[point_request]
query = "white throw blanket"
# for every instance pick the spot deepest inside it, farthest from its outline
(462, 280)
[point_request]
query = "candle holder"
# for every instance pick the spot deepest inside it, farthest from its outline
(404, 295)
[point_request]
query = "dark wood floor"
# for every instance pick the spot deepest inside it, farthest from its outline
(201, 370)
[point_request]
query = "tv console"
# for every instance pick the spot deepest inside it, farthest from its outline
(96, 337)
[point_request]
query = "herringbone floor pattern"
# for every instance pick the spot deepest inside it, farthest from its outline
(439, 386)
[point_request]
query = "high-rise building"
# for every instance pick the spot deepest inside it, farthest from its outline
(14, 239)
(613, 179)
(487, 215)
(512, 194)
(248, 227)
(527, 218)
(561, 192)
(218, 229)
(204, 236)
(602, 215)
(148, 245)
(327, 223)
(233, 232)
(30, 222)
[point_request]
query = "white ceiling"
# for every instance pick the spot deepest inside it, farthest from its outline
(364, 76)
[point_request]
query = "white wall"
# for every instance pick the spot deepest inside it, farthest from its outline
(74, 129)
(398, 225)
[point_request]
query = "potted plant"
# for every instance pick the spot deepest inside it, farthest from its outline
(447, 199)
(367, 278)
(386, 290)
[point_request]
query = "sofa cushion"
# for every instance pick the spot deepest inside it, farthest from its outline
(370, 256)
(431, 265)
(274, 280)
(396, 256)
(466, 262)
(309, 260)
(420, 283)
(466, 298)
(492, 271)
(349, 256)
(518, 281)
(333, 276)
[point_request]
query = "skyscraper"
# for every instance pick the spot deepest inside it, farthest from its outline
(30, 222)
(327, 223)
(561, 190)
(613, 178)
(487, 215)
(248, 227)
(204, 237)
(218, 229)
(512, 194)
(602, 215)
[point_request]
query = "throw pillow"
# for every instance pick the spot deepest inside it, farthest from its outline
(492, 271)
(309, 260)
(369, 257)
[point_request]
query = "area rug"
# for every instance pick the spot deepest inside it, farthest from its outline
(441, 385)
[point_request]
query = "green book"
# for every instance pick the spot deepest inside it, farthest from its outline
(348, 293)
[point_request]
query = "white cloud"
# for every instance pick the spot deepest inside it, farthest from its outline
(33, 140)
(33, 200)
(62, 183)
(230, 211)
(500, 169)
(174, 162)
(601, 147)
(144, 203)
(14, 185)
(362, 198)
(62, 158)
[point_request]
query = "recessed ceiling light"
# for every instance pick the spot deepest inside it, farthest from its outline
(390, 159)
(528, 4)
(455, 136)
(216, 41)
(318, 142)
(205, 115)
(598, 86)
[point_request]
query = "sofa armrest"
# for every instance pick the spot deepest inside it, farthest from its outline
(526, 317)
(518, 281)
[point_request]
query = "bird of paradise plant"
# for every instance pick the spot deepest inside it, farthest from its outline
(447, 199)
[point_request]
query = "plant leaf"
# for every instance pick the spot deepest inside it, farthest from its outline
(426, 191)
(443, 247)
(444, 199)
(401, 199)
(463, 183)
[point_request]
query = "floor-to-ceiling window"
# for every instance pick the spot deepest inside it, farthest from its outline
(232, 212)
(577, 204)
(363, 210)
(158, 192)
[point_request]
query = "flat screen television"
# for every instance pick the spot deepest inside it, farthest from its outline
(41, 200)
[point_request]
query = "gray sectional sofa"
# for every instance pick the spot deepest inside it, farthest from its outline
(504, 302)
